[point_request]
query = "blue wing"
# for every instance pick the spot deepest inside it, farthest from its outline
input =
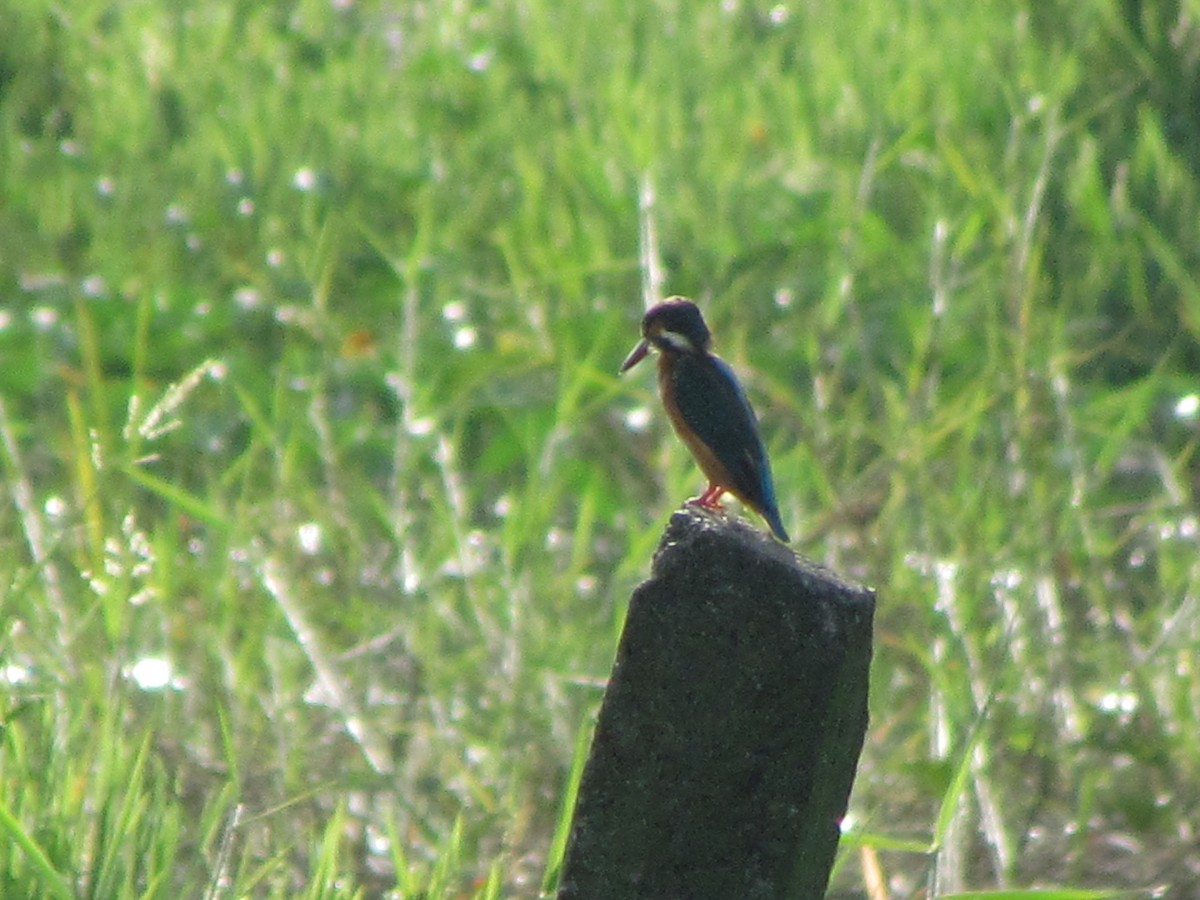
(713, 405)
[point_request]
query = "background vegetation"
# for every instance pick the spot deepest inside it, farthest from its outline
(322, 502)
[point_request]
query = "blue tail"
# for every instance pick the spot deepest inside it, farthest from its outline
(771, 514)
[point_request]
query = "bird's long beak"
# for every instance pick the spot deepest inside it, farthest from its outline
(635, 356)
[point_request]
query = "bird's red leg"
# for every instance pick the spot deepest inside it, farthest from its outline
(711, 498)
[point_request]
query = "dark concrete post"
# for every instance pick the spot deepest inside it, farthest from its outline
(731, 728)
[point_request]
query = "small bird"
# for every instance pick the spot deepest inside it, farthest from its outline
(708, 409)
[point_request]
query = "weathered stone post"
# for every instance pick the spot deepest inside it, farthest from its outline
(729, 735)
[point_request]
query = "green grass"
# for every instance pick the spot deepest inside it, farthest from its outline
(309, 319)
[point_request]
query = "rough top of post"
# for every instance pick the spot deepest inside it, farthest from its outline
(698, 536)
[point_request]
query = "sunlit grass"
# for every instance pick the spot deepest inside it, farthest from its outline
(325, 500)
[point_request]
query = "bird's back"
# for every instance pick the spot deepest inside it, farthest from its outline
(712, 404)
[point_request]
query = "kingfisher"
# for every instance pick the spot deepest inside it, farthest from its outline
(708, 409)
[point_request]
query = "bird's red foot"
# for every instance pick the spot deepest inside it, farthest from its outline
(710, 499)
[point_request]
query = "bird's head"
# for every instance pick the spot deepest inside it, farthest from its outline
(673, 326)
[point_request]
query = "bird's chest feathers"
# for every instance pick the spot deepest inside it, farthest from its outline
(685, 423)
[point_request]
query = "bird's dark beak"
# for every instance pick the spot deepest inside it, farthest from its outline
(636, 356)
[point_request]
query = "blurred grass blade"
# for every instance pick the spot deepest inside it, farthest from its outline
(1045, 894)
(492, 888)
(449, 861)
(179, 498)
(54, 882)
(86, 474)
(562, 829)
(951, 797)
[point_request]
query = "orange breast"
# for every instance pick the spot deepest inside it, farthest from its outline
(705, 458)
